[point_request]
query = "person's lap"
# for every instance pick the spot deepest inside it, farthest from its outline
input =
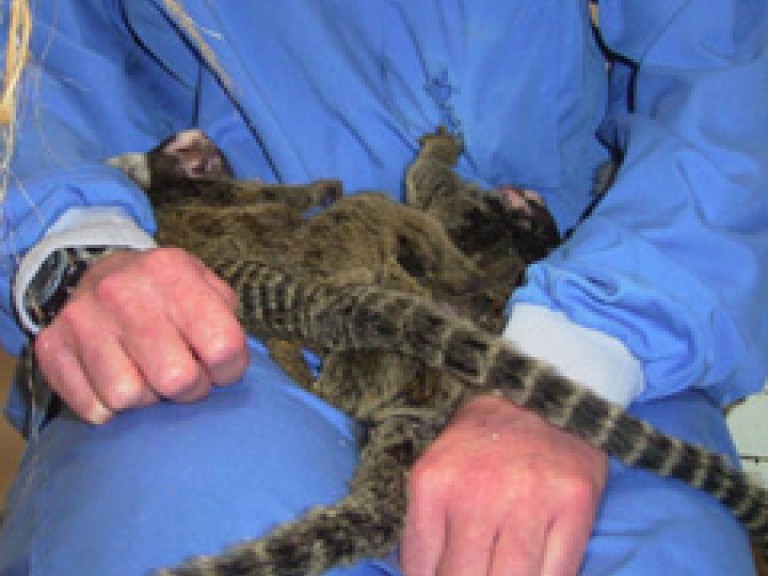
(157, 485)
(651, 525)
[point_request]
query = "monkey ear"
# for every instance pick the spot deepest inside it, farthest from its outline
(135, 166)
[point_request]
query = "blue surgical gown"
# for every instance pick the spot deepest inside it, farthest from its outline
(672, 262)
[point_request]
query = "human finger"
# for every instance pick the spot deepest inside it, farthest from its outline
(224, 290)
(519, 549)
(424, 527)
(110, 373)
(204, 317)
(469, 545)
(113, 376)
(569, 536)
(63, 373)
(162, 355)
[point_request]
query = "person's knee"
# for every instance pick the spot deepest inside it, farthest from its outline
(653, 525)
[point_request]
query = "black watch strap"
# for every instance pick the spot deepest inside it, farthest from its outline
(57, 278)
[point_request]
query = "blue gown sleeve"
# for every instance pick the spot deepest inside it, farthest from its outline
(674, 260)
(89, 91)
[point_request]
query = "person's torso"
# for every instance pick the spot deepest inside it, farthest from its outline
(345, 89)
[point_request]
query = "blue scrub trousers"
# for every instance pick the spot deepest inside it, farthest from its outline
(156, 485)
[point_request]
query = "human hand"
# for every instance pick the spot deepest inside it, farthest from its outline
(142, 326)
(501, 492)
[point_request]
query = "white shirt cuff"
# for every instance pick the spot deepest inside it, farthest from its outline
(595, 360)
(77, 227)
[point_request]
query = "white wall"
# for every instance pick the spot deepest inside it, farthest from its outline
(749, 425)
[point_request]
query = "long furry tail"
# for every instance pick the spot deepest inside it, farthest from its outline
(367, 317)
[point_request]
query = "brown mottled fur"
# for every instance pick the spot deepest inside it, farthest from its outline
(400, 357)
(363, 238)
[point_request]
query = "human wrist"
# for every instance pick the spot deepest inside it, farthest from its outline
(501, 419)
(55, 281)
(50, 270)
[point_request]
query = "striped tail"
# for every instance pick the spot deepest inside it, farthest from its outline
(367, 317)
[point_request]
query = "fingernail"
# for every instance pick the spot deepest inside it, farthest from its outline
(99, 414)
